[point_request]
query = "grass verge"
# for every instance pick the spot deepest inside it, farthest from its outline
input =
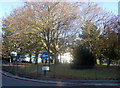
(64, 71)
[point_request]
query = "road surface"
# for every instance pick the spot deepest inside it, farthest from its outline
(12, 82)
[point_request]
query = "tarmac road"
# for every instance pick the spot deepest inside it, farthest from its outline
(11, 82)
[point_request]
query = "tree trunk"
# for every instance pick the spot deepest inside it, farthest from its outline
(11, 59)
(56, 59)
(30, 58)
(36, 58)
(109, 62)
(100, 60)
(18, 57)
(60, 57)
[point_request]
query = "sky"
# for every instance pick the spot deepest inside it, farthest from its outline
(110, 7)
(6, 7)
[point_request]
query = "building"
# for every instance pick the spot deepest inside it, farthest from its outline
(65, 58)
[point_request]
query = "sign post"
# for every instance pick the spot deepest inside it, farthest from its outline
(45, 55)
(45, 67)
(14, 55)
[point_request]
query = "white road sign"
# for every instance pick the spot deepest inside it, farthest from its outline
(45, 68)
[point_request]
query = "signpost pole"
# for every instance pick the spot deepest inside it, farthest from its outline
(45, 55)
(17, 64)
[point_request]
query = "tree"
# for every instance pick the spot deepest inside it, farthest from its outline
(83, 58)
(91, 30)
(89, 37)
(111, 35)
(17, 32)
(57, 22)
(51, 22)
(7, 44)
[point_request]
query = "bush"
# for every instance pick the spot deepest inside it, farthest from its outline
(83, 58)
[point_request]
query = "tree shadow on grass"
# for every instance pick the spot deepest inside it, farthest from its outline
(78, 67)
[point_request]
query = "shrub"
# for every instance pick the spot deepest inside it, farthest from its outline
(83, 58)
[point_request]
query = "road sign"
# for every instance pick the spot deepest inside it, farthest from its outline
(45, 68)
(45, 55)
(13, 54)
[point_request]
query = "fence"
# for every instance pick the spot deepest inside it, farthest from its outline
(63, 71)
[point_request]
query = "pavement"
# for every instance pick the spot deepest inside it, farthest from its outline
(112, 83)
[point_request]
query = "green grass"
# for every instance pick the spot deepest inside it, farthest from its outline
(64, 71)
(99, 72)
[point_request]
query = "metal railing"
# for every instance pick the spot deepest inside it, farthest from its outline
(63, 71)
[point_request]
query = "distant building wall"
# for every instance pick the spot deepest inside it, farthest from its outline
(65, 58)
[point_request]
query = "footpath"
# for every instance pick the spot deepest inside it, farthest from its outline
(68, 82)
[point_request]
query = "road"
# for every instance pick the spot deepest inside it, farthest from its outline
(11, 82)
